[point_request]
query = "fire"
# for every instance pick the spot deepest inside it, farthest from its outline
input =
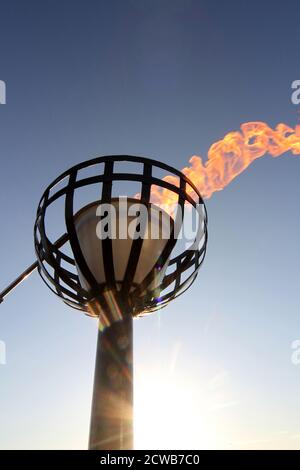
(229, 157)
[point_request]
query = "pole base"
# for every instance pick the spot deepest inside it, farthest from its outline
(112, 406)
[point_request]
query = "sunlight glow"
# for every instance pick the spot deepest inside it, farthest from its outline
(173, 414)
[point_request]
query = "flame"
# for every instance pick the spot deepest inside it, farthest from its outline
(229, 157)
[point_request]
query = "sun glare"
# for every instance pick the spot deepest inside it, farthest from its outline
(171, 414)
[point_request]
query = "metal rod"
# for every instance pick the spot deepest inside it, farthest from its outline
(112, 406)
(18, 281)
(25, 274)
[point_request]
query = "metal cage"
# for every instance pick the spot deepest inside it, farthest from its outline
(59, 258)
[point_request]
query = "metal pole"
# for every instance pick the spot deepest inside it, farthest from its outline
(18, 281)
(25, 274)
(112, 405)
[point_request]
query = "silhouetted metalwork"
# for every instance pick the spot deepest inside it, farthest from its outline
(58, 266)
(111, 415)
(65, 269)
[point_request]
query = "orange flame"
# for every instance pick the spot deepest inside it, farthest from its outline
(229, 157)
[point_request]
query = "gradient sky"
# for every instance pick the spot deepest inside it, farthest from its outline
(163, 79)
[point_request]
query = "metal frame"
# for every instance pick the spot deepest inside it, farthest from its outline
(58, 268)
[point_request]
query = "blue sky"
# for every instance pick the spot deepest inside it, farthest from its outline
(164, 79)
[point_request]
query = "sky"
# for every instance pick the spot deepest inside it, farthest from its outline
(163, 79)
